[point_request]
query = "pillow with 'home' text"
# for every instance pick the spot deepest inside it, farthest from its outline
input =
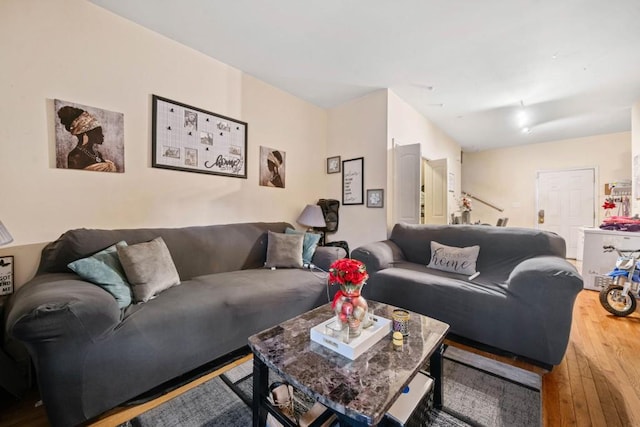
(454, 259)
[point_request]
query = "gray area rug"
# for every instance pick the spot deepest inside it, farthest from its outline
(482, 398)
(475, 395)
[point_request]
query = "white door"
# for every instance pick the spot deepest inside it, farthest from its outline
(565, 202)
(435, 192)
(406, 183)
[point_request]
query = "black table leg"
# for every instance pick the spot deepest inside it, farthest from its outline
(260, 389)
(435, 370)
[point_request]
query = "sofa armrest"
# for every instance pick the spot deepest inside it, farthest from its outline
(378, 255)
(60, 307)
(326, 255)
(543, 276)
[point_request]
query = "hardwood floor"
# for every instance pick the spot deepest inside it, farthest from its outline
(597, 383)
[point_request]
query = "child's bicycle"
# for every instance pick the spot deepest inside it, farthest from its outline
(620, 290)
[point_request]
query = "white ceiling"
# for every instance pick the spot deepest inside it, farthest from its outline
(480, 70)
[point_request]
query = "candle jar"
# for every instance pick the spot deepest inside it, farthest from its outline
(400, 320)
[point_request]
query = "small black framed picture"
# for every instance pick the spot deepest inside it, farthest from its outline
(333, 164)
(375, 198)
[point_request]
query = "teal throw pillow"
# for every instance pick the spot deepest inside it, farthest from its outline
(309, 244)
(104, 269)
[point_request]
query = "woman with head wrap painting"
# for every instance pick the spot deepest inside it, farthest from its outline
(274, 161)
(89, 133)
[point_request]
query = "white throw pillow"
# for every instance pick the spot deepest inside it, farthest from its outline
(454, 259)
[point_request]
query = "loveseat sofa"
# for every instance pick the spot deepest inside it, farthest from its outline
(91, 355)
(521, 302)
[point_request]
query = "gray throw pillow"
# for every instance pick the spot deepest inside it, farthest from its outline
(284, 250)
(454, 259)
(149, 268)
(104, 269)
(309, 244)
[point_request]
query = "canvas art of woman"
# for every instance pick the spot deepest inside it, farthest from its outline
(274, 163)
(88, 131)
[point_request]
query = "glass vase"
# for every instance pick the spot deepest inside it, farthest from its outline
(350, 309)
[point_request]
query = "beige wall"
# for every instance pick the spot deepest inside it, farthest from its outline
(507, 177)
(75, 51)
(358, 129)
(407, 126)
(635, 149)
(367, 127)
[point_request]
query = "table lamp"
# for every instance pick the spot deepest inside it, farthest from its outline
(5, 237)
(311, 217)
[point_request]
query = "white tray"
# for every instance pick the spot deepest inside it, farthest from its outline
(358, 345)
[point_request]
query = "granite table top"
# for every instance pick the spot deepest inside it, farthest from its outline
(362, 389)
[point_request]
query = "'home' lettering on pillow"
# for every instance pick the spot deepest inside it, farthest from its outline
(453, 259)
(457, 262)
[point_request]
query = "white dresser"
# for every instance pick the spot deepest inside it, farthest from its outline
(595, 261)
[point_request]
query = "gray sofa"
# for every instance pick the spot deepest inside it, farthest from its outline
(91, 356)
(521, 302)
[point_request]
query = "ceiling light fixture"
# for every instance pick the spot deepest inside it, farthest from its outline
(521, 116)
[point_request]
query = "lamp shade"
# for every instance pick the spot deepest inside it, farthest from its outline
(5, 237)
(312, 216)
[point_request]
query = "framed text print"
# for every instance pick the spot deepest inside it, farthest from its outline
(6, 275)
(189, 139)
(353, 181)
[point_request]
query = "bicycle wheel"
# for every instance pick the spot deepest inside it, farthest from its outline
(615, 302)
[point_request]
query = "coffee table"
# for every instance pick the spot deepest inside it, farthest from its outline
(358, 391)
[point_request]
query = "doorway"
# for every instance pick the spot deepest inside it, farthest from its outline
(433, 207)
(420, 187)
(566, 202)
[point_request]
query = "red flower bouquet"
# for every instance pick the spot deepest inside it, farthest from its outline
(350, 308)
(349, 273)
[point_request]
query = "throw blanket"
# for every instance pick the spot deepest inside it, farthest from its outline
(621, 223)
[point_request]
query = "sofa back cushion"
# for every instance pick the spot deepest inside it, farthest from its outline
(501, 248)
(195, 250)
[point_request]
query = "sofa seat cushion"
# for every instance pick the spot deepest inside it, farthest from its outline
(189, 325)
(255, 290)
(414, 277)
(471, 308)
